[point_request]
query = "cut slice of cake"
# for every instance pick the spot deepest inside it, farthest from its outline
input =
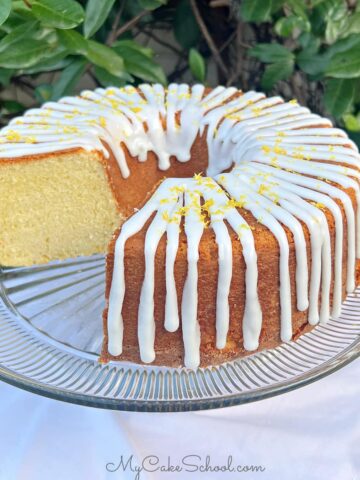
(54, 207)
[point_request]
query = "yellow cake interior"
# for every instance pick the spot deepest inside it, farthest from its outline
(55, 207)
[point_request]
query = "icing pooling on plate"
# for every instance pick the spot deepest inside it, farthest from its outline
(288, 166)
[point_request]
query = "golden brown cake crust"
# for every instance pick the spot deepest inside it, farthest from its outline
(169, 346)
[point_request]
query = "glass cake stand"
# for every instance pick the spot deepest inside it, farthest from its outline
(51, 333)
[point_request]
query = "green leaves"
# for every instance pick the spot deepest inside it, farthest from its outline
(43, 92)
(280, 58)
(114, 65)
(11, 106)
(5, 76)
(345, 64)
(186, 29)
(5, 9)
(39, 36)
(256, 10)
(18, 34)
(23, 55)
(353, 23)
(352, 122)
(69, 78)
(336, 19)
(197, 65)
(344, 45)
(73, 41)
(341, 22)
(340, 61)
(271, 53)
(339, 94)
(105, 57)
(95, 15)
(95, 52)
(106, 79)
(152, 4)
(55, 59)
(291, 25)
(276, 72)
(64, 14)
(323, 36)
(138, 61)
(310, 61)
(50, 42)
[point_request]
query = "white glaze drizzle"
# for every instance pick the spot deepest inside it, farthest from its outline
(276, 148)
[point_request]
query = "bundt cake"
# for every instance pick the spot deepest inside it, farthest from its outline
(232, 219)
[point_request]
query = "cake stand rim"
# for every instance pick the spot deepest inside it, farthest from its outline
(340, 359)
(343, 358)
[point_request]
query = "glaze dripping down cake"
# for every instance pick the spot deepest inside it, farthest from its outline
(231, 220)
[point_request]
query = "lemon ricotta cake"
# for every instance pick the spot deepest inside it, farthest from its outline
(231, 220)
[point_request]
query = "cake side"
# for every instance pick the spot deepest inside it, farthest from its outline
(169, 346)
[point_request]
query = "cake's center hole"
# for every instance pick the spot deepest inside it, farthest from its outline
(132, 192)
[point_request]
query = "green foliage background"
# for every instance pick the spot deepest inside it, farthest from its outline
(309, 49)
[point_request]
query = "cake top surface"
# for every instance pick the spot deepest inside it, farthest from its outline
(166, 121)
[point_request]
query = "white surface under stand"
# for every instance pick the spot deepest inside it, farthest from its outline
(312, 433)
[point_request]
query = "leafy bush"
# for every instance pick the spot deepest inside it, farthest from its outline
(321, 39)
(308, 49)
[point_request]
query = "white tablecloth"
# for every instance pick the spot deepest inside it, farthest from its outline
(310, 434)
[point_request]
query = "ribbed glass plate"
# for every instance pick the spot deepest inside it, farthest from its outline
(51, 333)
